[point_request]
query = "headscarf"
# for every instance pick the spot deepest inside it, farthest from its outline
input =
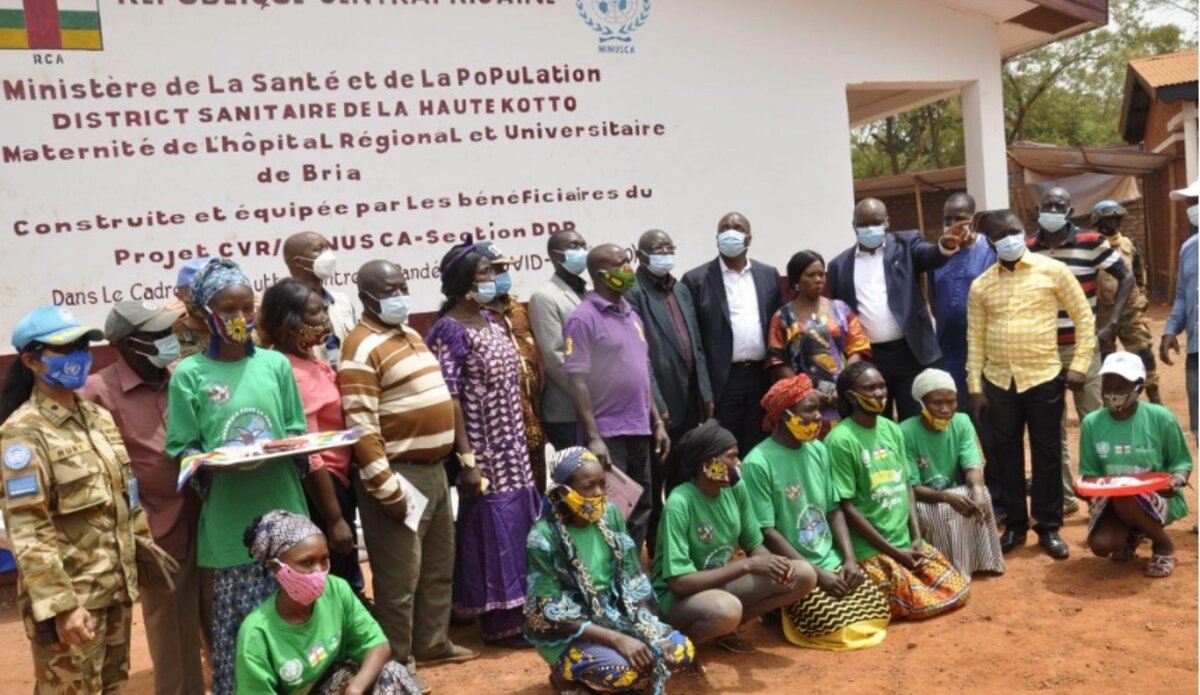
(566, 462)
(782, 395)
(932, 380)
(215, 276)
(702, 444)
(275, 532)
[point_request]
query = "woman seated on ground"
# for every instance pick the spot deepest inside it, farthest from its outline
(1124, 438)
(590, 610)
(313, 636)
(870, 475)
(702, 590)
(791, 491)
(955, 517)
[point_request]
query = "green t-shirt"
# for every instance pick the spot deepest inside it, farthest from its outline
(698, 532)
(791, 491)
(1151, 440)
(274, 656)
(870, 469)
(935, 457)
(214, 404)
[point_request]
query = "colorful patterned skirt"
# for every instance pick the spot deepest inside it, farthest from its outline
(932, 590)
(236, 592)
(602, 669)
(971, 544)
(1154, 504)
(855, 621)
(394, 679)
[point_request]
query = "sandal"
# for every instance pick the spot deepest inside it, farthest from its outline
(1128, 551)
(1159, 566)
(735, 644)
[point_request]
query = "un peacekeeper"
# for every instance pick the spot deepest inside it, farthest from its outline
(71, 507)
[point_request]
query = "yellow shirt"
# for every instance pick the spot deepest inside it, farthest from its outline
(1012, 330)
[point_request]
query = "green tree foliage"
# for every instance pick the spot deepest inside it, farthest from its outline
(1066, 93)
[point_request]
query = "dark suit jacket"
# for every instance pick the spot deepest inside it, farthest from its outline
(905, 256)
(712, 314)
(667, 361)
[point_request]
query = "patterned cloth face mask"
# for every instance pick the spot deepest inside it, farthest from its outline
(590, 509)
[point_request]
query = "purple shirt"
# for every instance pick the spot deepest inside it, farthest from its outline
(607, 343)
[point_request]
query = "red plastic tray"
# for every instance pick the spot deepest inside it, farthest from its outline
(1150, 482)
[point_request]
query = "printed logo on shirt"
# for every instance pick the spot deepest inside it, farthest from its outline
(219, 393)
(793, 491)
(881, 454)
(811, 527)
(292, 671)
(923, 463)
(887, 477)
(246, 427)
(705, 533)
(718, 558)
(316, 655)
(17, 457)
(866, 457)
(334, 641)
(568, 346)
(1102, 448)
(1122, 449)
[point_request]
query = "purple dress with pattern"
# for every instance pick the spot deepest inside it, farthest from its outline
(481, 368)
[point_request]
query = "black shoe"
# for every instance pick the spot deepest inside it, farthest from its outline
(1011, 539)
(1055, 546)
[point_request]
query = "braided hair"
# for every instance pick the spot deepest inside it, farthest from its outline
(845, 384)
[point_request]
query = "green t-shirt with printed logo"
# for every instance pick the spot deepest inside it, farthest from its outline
(1149, 441)
(870, 469)
(791, 491)
(936, 457)
(698, 532)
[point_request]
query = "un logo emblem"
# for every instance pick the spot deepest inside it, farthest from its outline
(615, 21)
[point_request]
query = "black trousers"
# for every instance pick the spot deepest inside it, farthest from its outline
(632, 455)
(1009, 414)
(739, 407)
(562, 435)
(899, 367)
(663, 478)
(345, 566)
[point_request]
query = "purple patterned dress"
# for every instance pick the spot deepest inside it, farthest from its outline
(481, 368)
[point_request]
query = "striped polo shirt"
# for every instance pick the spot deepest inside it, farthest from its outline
(392, 387)
(1086, 253)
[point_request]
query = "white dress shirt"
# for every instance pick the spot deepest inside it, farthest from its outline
(744, 319)
(870, 286)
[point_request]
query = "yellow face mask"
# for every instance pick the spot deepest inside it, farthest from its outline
(936, 423)
(869, 404)
(803, 432)
(590, 509)
(716, 470)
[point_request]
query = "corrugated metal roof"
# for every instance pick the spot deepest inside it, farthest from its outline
(1168, 69)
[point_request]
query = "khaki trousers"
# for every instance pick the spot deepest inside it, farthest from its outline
(1086, 401)
(99, 666)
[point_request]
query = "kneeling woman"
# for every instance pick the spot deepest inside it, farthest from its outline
(956, 518)
(871, 476)
(590, 609)
(1129, 437)
(701, 589)
(314, 635)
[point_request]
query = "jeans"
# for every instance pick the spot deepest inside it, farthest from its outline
(632, 455)
(1008, 415)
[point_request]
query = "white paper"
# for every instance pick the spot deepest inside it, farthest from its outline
(416, 502)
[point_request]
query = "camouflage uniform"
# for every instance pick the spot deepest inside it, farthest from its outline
(1133, 329)
(72, 514)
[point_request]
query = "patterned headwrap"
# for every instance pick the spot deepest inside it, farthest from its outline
(932, 380)
(783, 395)
(276, 532)
(566, 462)
(457, 258)
(215, 276)
(701, 445)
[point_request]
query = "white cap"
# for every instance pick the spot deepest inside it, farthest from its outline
(1126, 365)
(1192, 191)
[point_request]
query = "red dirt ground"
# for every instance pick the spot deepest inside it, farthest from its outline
(1084, 624)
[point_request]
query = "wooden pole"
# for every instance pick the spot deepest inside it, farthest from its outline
(920, 207)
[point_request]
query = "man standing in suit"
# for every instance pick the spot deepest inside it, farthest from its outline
(681, 386)
(879, 277)
(549, 308)
(734, 303)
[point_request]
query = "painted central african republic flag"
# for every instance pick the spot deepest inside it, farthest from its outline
(53, 24)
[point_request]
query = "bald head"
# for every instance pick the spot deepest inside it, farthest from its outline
(1055, 199)
(654, 239)
(734, 220)
(378, 275)
(299, 250)
(870, 212)
(606, 257)
(959, 206)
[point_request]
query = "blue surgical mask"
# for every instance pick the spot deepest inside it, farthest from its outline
(1052, 221)
(575, 260)
(168, 350)
(393, 310)
(484, 292)
(661, 264)
(1193, 214)
(1011, 247)
(871, 237)
(503, 284)
(731, 243)
(68, 371)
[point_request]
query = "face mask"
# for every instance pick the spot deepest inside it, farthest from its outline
(484, 293)
(575, 260)
(168, 351)
(1052, 221)
(660, 264)
(590, 509)
(1193, 214)
(1117, 402)
(235, 330)
(300, 587)
(716, 471)
(936, 423)
(870, 404)
(324, 265)
(503, 284)
(802, 431)
(619, 279)
(731, 243)
(871, 237)
(393, 310)
(1011, 247)
(68, 371)
(308, 336)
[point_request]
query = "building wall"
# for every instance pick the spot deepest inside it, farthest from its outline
(1156, 123)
